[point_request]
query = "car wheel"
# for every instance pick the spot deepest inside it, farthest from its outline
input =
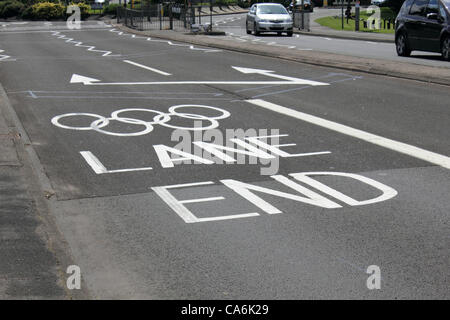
(290, 33)
(445, 48)
(257, 33)
(401, 44)
(246, 27)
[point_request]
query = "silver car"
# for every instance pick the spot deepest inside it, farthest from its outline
(269, 17)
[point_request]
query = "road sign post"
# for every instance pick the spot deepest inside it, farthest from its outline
(357, 16)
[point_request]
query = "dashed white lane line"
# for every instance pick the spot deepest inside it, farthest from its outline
(257, 40)
(170, 43)
(422, 154)
(147, 68)
(4, 57)
(80, 44)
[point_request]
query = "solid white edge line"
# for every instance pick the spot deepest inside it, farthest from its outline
(429, 156)
(147, 68)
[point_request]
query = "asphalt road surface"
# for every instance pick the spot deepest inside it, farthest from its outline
(106, 114)
(234, 26)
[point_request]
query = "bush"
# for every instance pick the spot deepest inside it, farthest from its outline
(27, 13)
(395, 5)
(387, 13)
(11, 9)
(244, 3)
(111, 9)
(48, 11)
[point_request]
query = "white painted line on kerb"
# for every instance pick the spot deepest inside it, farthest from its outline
(432, 157)
(147, 68)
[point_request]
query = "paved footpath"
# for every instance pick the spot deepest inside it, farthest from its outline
(29, 246)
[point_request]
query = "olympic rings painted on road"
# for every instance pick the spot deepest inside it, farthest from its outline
(160, 118)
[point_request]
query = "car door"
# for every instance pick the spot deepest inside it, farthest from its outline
(433, 26)
(251, 17)
(415, 22)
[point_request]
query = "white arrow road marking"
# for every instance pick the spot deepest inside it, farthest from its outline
(147, 68)
(76, 78)
(269, 73)
(401, 147)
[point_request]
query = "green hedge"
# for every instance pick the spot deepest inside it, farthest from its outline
(11, 8)
(48, 11)
(111, 9)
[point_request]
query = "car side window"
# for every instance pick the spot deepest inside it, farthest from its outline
(442, 11)
(418, 8)
(432, 7)
(405, 7)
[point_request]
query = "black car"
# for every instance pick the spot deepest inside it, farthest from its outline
(423, 25)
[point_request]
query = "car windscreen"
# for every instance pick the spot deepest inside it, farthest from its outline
(271, 10)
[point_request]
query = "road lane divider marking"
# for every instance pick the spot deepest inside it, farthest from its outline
(80, 44)
(170, 43)
(147, 68)
(4, 57)
(419, 153)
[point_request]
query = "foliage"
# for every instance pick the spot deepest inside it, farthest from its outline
(10, 8)
(336, 23)
(395, 5)
(110, 9)
(48, 11)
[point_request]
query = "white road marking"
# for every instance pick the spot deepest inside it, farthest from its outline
(3, 56)
(76, 78)
(394, 145)
(170, 43)
(184, 213)
(201, 200)
(80, 44)
(147, 68)
(303, 194)
(269, 73)
(99, 168)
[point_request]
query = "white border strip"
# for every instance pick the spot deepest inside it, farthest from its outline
(401, 147)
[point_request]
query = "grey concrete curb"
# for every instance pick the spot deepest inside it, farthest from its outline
(361, 37)
(395, 69)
